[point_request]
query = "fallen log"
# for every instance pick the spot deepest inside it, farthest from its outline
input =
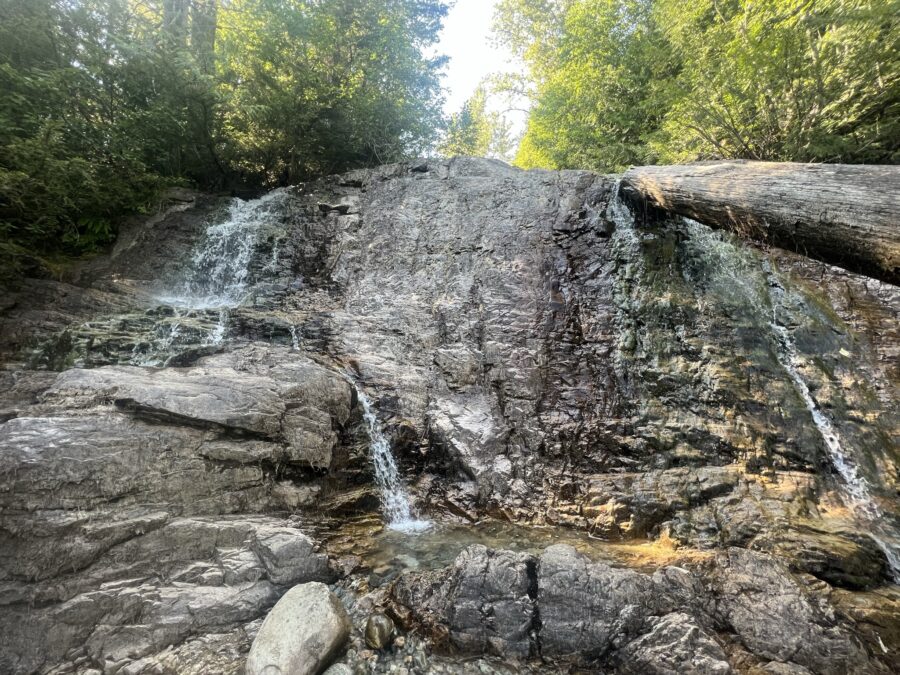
(843, 214)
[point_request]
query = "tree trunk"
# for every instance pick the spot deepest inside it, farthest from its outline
(846, 215)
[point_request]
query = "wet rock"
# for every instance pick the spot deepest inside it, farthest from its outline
(339, 669)
(159, 582)
(485, 601)
(839, 556)
(588, 613)
(379, 631)
(778, 668)
(302, 634)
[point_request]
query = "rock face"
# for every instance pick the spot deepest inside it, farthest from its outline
(301, 634)
(533, 353)
(676, 643)
(118, 490)
(601, 616)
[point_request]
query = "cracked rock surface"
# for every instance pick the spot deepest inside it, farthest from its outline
(535, 355)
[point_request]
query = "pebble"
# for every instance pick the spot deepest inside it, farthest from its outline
(379, 631)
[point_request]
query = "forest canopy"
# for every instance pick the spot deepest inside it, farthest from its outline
(623, 82)
(106, 102)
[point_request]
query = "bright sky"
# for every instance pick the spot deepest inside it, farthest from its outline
(466, 39)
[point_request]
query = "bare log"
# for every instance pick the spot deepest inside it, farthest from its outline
(843, 214)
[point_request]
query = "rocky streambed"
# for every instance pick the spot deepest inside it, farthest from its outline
(641, 446)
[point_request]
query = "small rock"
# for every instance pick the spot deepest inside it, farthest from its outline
(420, 661)
(400, 642)
(302, 633)
(379, 630)
(339, 669)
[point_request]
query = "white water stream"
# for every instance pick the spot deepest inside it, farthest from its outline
(218, 280)
(858, 495)
(398, 512)
(741, 280)
(220, 265)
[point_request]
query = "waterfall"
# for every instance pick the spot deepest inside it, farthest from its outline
(159, 349)
(734, 275)
(221, 260)
(855, 485)
(217, 334)
(398, 512)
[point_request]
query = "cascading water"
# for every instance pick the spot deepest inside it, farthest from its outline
(158, 351)
(221, 261)
(857, 489)
(398, 512)
(216, 281)
(739, 278)
(217, 333)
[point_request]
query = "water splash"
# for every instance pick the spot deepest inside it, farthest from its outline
(295, 338)
(220, 266)
(160, 349)
(272, 265)
(398, 512)
(217, 334)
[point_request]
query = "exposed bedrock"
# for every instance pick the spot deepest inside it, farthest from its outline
(743, 608)
(168, 463)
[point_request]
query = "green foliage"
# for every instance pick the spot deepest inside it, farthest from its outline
(802, 80)
(106, 102)
(327, 86)
(477, 131)
(620, 82)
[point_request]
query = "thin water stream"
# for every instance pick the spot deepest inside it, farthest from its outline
(740, 278)
(857, 491)
(396, 507)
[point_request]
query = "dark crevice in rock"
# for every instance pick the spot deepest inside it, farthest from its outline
(161, 417)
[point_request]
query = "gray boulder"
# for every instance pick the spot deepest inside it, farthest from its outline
(301, 635)
(485, 601)
(675, 645)
(776, 618)
(586, 608)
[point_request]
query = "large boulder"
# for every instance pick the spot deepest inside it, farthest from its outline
(485, 600)
(301, 635)
(152, 583)
(675, 645)
(776, 618)
(263, 393)
(572, 610)
(588, 608)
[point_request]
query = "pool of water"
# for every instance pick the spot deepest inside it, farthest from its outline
(389, 552)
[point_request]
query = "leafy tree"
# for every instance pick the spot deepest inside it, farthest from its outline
(802, 80)
(314, 88)
(106, 102)
(619, 82)
(477, 131)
